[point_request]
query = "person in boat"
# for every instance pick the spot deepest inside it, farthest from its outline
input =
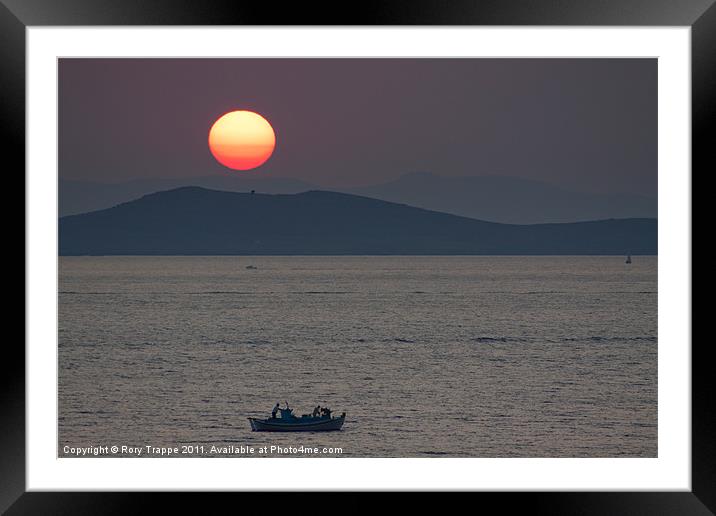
(325, 411)
(316, 411)
(274, 411)
(287, 413)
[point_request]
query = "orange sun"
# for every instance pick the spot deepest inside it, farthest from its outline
(242, 140)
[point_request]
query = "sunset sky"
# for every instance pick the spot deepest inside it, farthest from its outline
(585, 124)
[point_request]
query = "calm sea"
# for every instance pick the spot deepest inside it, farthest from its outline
(428, 356)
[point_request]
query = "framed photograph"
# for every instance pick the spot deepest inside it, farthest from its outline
(428, 248)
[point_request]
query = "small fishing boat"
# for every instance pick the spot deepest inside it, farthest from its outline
(288, 422)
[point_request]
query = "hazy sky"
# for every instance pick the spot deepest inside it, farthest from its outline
(586, 124)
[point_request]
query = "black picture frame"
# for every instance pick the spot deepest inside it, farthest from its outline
(16, 15)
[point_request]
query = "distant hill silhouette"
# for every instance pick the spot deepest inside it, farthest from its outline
(84, 196)
(197, 221)
(507, 199)
(493, 198)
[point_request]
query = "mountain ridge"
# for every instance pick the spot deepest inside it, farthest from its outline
(196, 220)
(507, 199)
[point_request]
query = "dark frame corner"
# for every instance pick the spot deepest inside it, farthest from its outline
(700, 15)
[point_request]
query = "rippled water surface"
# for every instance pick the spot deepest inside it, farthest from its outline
(429, 356)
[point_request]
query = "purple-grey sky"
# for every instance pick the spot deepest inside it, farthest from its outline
(584, 124)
